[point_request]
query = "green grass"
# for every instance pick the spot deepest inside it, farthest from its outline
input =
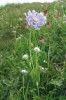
(51, 82)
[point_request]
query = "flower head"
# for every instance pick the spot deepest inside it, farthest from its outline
(48, 25)
(18, 38)
(26, 25)
(45, 12)
(41, 40)
(37, 49)
(24, 71)
(25, 56)
(43, 69)
(45, 61)
(35, 19)
(20, 19)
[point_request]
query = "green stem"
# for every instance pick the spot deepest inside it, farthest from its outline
(37, 88)
(37, 65)
(30, 47)
(48, 55)
(23, 85)
(36, 60)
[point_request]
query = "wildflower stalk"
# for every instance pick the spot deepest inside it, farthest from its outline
(30, 47)
(23, 85)
(36, 60)
(37, 83)
(48, 55)
(37, 88)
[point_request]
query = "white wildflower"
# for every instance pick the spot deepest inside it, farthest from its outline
(1, 55)
(25, 57)
(64, 22)
(43, 69)
(6, 22)
(14, 27)
(14, 31)
(18, 38)
(37, 49)
(45, 61)
(64, 16)
(10, 25)
(23, 71)
(20, 35)
(20, 19)
(25, 14)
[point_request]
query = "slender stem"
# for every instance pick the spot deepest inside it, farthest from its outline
(37, 84)
(31, 61)
(46, 82)
(48, 55)
(36, 60)
(23, 85)
(30, 47)
(38, 90)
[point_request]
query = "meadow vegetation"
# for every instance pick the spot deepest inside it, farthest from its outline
(33, 62)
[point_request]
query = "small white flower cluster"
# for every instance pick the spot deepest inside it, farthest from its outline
(45, 61)
(1, 55)
(25, 14)
(14, 31)
(18, 38)
(25, 57)
(43, 69)
(23, 71)
(37, 49)
(20, 19)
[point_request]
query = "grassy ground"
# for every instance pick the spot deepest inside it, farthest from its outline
(52, 83)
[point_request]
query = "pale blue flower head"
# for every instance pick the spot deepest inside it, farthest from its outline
(35, 19)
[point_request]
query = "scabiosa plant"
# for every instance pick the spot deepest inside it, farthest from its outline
(35, 19)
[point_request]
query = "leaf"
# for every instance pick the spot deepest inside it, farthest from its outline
(26, 93)
(64, 75)
(35, 97)
(35, 74)
(1, 91)
(56, 82)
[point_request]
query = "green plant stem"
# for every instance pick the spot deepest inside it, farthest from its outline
(48, 55)
(30, 47)
(37, 88)
(23, 85)
(36, 60)
(37, 66)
